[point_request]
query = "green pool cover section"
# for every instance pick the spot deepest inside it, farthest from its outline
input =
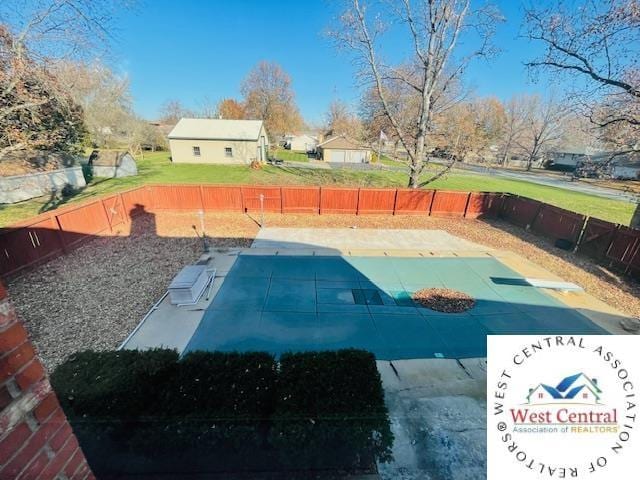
(302, 303)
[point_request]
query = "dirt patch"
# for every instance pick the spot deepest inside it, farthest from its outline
(443, 300)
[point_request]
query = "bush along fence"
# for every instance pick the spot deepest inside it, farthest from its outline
(54, 233)
(36, 440)
(139, 413)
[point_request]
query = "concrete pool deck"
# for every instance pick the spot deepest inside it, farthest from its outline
(173, 327)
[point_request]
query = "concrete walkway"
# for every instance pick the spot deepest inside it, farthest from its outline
(437, 410)
(343, 239)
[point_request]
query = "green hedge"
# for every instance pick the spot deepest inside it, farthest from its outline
(144, 412)
(331, 412)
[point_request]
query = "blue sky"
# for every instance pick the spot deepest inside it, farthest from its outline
(190, 50)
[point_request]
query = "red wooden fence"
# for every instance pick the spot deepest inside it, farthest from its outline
(51, 234)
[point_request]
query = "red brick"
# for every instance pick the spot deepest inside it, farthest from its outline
(31, 448)
(5, 398)
(12, 442)
(11, 363)
(81, 472)
(57, 463)
(71, 467)
(21, 460)
(12, 337)
(60, 437)
(35, 467)
(49, 428)
(46, 407)
(30, 374)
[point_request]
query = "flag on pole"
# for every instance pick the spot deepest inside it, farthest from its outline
(383, 137)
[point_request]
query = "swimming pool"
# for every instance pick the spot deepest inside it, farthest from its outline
(279, 303)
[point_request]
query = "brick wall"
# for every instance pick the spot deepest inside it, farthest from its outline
(36, 440)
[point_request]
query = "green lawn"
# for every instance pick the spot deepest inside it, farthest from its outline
(289, 156)
(156, 168)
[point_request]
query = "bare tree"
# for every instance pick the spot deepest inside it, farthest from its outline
(268, 95)
(434, 29)
(514, 124)
(35, 110)
(208, 108)
(596, 47)
(340, 120)
(541, 127)
(104, 97)
(173, 110)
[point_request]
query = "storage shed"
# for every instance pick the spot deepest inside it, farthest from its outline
(112, 163)
(342, 149)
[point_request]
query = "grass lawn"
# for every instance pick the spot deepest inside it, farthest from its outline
(156, 168)
(289, 156)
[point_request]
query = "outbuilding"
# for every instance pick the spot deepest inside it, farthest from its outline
(112, 163)
(302, 143)
(341, 149)
(209, 140)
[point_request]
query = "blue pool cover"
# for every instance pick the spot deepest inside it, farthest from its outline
(302, 303)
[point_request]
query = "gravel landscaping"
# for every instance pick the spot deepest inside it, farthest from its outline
(95, 296)
(443, 300)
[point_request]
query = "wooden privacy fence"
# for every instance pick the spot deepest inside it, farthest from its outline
(54, 233)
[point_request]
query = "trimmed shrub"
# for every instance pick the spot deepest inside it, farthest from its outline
(146, 412)
(331, 412)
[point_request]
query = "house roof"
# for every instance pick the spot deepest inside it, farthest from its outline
(216, 129)
(342, 142)
(550, 390)
(574, 391)
(569, 381)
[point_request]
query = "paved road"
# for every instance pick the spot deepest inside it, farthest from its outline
(555, 181)
(537, 177)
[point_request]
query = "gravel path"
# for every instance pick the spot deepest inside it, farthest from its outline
(95, 296)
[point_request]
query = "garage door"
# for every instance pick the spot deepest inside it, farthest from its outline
(338, 156)
(356, 156)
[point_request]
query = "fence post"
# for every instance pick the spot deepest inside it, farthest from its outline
(535, 217)
(433, 197)
(395, 202)
(581, 234)
(200, 189)
(106, 213)
(55, 223)
(466, 205)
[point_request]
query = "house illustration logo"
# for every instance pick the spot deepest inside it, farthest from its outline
(578, 388)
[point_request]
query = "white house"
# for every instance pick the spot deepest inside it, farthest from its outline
(208, 140)
(302, 143)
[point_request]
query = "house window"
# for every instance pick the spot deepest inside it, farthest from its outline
(228, 152)
(584, 395)
(196, 151)
(541, 395)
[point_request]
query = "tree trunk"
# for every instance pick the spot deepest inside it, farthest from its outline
(529, 163)
(635, 220)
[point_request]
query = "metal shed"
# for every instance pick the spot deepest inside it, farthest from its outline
(112, 163)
